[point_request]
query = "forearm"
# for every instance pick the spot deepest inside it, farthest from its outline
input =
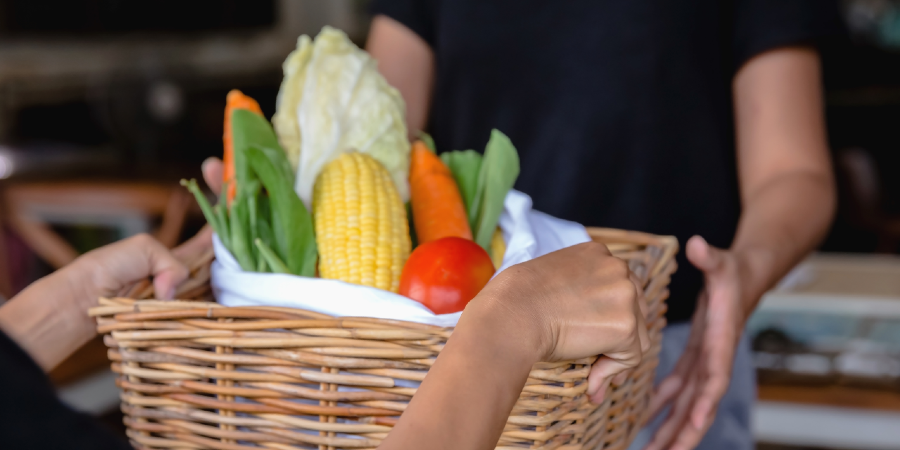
(407, 63)
(47, 320)
(787, 188)
(782, 222)
(468, 393)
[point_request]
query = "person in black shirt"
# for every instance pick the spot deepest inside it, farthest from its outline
(701, 119)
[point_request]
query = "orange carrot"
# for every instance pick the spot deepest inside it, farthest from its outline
(235, 100)
(437, 206)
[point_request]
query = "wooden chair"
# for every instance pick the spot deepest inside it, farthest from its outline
(31, 208)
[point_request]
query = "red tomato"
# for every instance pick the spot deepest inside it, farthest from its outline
(445, 274)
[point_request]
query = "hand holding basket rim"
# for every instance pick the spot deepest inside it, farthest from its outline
(574, 303)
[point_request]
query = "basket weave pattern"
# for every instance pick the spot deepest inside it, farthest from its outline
(195, 374)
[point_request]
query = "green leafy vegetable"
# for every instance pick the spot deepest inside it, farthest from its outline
(483, 182)
(496, 177)
(265, 229)
(261, 261)
(428, 140)
(208, 212)
(253, 195)
(240, 231)
(249, 129)
(222, 216)
(294, 235)
(465, 166)
(265, 234)
(271, 258)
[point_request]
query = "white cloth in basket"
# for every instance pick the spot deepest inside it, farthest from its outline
(528, 234)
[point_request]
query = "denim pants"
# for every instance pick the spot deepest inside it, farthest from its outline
(731, 430)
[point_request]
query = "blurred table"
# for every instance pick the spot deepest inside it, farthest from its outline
(826, 427)
(834, 415)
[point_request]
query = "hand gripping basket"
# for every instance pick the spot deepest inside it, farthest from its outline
(195, 374)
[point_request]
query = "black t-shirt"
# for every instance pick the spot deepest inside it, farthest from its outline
(33, 418)
(621, 110)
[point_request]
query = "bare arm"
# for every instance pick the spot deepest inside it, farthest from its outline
(407, 62)
(787, 194)
(49, 318)
(471, 389)
(786, 181)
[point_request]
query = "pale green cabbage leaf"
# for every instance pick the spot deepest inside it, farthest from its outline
(333, 100)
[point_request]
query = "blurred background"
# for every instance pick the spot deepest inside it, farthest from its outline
(106, 104)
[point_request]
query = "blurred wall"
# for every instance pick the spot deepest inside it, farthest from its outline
(140, 86)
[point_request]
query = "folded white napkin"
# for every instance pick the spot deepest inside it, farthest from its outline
(528, 234)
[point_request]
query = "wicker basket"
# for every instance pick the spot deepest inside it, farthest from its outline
(195, 374)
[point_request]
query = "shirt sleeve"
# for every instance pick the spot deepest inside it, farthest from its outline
(762, 25)
(420, 16)
(33, 417)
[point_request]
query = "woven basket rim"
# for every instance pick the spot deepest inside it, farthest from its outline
(668, 245)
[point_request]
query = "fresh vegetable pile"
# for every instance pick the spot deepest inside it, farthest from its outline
(323, 193)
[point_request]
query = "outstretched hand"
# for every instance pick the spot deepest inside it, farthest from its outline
(702, 375)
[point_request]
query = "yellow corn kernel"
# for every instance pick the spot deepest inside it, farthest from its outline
(498, 248)
(361, 225)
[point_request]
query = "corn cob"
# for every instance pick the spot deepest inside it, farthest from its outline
(361, 227)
